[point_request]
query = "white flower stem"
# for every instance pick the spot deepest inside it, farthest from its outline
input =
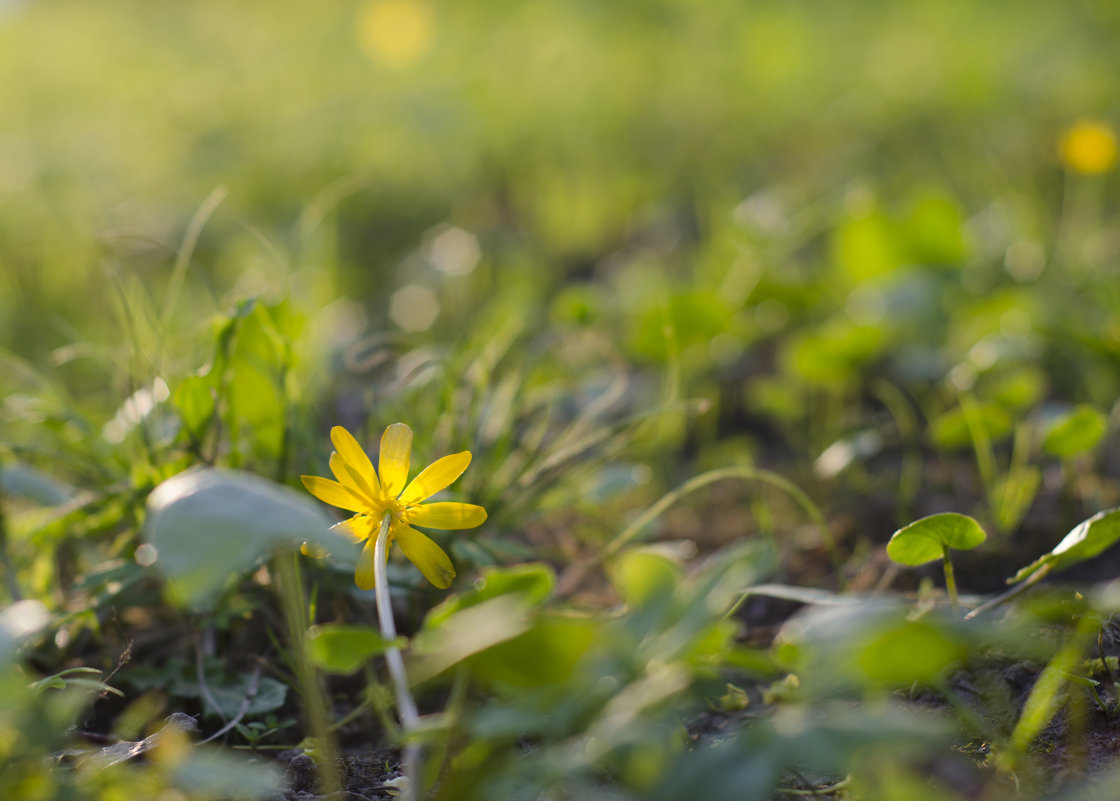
(410, 718)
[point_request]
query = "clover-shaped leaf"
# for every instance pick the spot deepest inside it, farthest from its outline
(926, 540)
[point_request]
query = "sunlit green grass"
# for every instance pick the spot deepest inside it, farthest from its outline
(717, 295)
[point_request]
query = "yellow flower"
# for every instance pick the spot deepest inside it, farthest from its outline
(396, 33)
(374, 494)
(1088, 147)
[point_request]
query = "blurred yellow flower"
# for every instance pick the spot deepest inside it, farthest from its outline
(1088, 147)
(376, 493)
(396, 33)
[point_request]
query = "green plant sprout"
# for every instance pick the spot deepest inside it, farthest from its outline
(1010, 492)
(931, 538)
(1072, 435)
(1089, 538)
(383, 502)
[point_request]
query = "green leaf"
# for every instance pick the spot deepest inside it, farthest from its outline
(194, 398)
(950, 430)
(533, 582)
(1015, 493)
(74, 677)
(1077, 431)
(644, 573)
(214, 773)
(934, 230)
(1090, 538)
(343, 648)
(925, 540)
(833, 354)
(467, 632)
(548, 653)
(909, 651)
(866, 248)
(1019, 388)
(230, 692)
(209, 525)
(33, 485)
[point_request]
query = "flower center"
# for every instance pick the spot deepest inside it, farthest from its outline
(399, 512)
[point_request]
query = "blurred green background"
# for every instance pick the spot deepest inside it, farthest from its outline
(799, 212)
(780, 207)
(605, 246)
(572, 140)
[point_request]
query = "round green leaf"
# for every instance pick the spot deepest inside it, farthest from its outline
(645, 573)
(950, 431)
(909, 651)
(209, 525)
(1077, 431)
(925, 540)
(342, 647)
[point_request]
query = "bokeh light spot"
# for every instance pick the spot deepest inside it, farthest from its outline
(414, 307)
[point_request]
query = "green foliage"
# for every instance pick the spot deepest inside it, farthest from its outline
(1088, 539)
(209, 525)
(343, 647)
(1077, 431)
(707, 310)
(927, 539)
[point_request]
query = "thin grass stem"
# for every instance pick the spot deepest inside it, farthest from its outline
(314, 704)
(1015, 591)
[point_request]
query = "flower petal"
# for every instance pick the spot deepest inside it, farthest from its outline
(366, 576)
(354, 455)
(348, 477)
(396, 448)
(360, 527)
(333, 493)
(436, 476)
(448, 515)
(426, 555)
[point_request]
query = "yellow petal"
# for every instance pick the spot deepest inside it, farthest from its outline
(436, 476)
(426, 555)
(354, 455)
(333, 493)
(366, 576)
(448, 515)
(360, 527)
(348, 477)
(396, 448)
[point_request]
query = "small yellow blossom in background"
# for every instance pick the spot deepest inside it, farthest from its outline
(375, 493)
(1088, 147)
(396, 33)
